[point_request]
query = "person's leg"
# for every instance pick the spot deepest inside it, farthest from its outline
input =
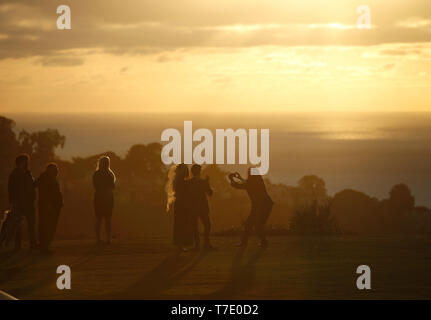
(98, 225)
(196, 236)
(248, 226)
(261, 225)
(31, 225)
(42, 228)
(18, 238)
(108, 228)
(52, 227)
(260, 232)
(207, 229)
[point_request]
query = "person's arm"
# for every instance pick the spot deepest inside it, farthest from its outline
(238, 176)
(95, 182)
(59, 195)
(208, 190)
(11, 189)
(237, 185)
(113, 182)
(37, 183)
(32, 185)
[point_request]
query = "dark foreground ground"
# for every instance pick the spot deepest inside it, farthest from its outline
(291, 268)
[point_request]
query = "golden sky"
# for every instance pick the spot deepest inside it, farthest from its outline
(215, 55)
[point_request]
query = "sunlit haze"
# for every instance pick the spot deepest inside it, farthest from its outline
(242, 56)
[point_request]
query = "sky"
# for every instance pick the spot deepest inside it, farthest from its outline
(215, 56)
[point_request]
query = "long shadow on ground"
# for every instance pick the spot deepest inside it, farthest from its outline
(18, 265)
(241, 278)
(164, 276)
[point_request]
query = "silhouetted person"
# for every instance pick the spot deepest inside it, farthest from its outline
(21, 197)
(199, 190)
(50, 202)
(104, 184)
(261, 205)
(178, 191)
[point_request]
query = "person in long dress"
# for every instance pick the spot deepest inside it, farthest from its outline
(178, 192)
(50, 202)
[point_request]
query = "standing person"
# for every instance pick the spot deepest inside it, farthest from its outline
(261, 205)
(104, 184)
(178, 192)
(21, 197)
(50, 202)
(199, 191)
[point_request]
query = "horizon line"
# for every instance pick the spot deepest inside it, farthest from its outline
(214, 112)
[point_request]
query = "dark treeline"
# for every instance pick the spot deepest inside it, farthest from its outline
(140, 195)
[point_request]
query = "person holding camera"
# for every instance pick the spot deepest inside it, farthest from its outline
(261, 205)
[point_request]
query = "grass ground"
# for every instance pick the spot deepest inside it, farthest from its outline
(290, 268)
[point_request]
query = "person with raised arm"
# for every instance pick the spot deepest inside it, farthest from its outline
(261, 205)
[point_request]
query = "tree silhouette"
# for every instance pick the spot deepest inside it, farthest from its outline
(143, 161)
(313, 220)
(401, 197)
(41, 146)
(307, 207)
(356, 212)
(9, 145)
(312, 189)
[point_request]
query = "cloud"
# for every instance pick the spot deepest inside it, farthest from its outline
(400, 52)
(388, 66)
(60, 61)
(415, 23)
(168, 57)
(150, 26)
(413, 51)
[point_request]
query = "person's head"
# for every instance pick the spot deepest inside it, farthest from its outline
(181, 171)
(176, 173)
(52, 169)
(21, 161)
(196, 170)
(253, 178)
(104, 163)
